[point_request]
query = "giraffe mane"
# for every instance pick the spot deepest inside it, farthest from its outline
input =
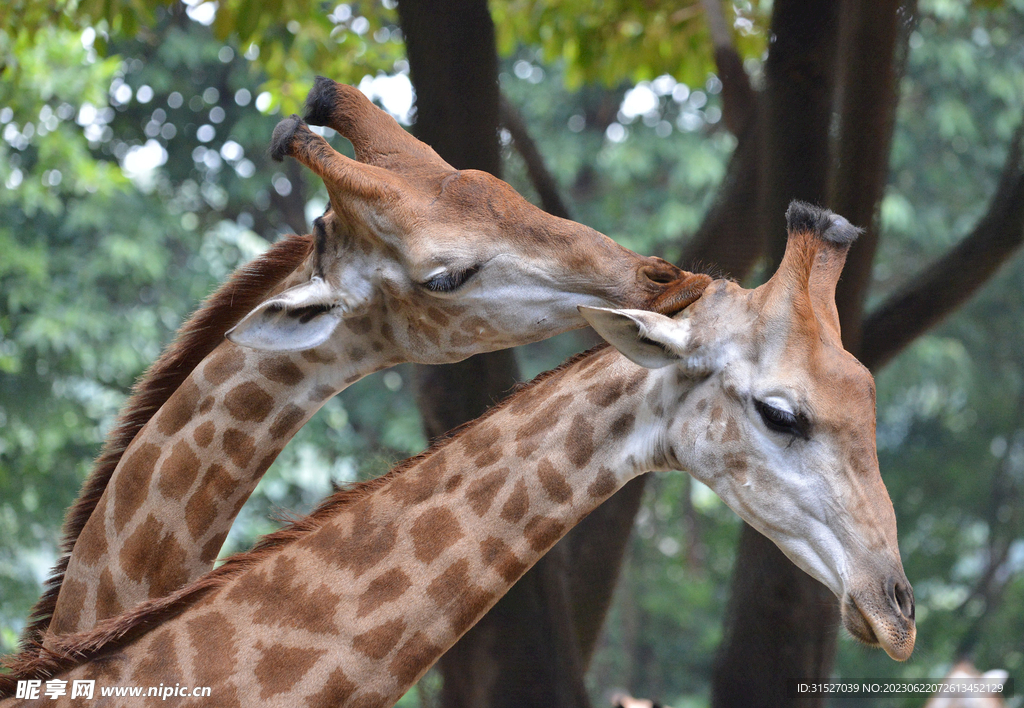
(195, 339)
(36, 661)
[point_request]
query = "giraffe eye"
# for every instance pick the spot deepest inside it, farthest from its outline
(782, 421)
(450, 280)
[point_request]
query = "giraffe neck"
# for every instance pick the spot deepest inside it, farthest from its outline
(352, 605)
(182, 481)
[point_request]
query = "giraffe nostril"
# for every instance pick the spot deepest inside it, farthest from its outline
(660, 272)
(902, 597)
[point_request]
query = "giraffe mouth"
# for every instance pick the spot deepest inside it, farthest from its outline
(893, 632)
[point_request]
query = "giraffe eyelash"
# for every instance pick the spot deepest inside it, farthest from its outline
(451, 280)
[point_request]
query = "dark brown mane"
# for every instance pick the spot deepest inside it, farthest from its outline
(38, 662)
(200, 335)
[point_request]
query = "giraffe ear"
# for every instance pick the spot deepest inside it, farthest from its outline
(300, 318)
(652, 340)
(645, 338)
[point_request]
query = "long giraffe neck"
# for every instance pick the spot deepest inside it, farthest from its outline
(179, 485)
(352, 605)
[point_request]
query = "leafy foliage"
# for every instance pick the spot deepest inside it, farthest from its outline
(609, 42)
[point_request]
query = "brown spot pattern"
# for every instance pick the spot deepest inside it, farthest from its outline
(160, 662)
(92, 542)
(322, 393)
(438, 316)
(179, 408)
(225, 362)
(579, 442)
(732, 431)
(542, 531)
(603, 485)
(286, 421)
(622, 426)
(107, 604)
(462, 600)
(203, 434)
(716, 413)
(378, 642)
(201, 509)
(132, 484)
(736, 465)
(482, 443)
(497, 554)
(281, 667)
(433, 531)
(282, 370)
(212, 639)
(359, 325)
(72, 594)
(530, 435)
(553, 482)
(139, 549)
(480, 492)
(151, 552)
(239, 446)
(279, 598)
(248, 402)
(337, 689)
(386, 587)
(318, 356)
(418, 484)
(178, 471)
(517, 504)
(210, 549)
(410, 661)
(363, 549)
(453, 483)
(605, 394)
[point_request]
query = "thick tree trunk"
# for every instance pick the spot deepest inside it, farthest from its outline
(524, 652)
(780, 623)
(873, 56)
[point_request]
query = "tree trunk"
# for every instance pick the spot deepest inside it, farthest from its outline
(523, 652)
(873, 56)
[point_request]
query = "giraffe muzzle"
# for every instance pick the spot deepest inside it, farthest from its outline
(669, 289)
(883, 616)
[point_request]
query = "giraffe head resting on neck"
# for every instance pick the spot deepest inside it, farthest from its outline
(446, 263)
(769, 410)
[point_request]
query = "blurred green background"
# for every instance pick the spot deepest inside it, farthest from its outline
(136, 178)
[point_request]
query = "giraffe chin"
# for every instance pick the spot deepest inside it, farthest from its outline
(895, 634)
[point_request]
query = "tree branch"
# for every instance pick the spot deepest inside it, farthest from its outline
(540, 176)
(954, 278)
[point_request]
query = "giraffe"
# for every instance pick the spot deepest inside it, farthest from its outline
(413, 262)
(750, 391)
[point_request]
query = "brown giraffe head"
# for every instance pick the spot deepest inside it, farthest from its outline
(766, 407)
(453, 262)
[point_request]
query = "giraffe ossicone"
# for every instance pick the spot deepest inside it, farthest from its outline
(351, 605)
(414, 261)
